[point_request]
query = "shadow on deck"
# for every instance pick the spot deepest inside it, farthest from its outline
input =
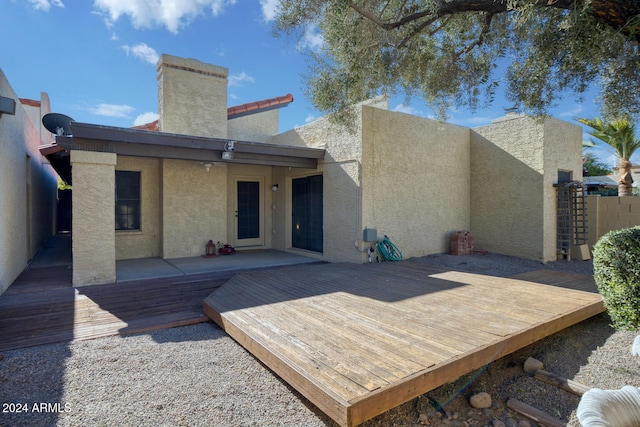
(359, 340)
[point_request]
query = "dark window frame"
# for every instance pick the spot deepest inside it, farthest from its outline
(128, 200)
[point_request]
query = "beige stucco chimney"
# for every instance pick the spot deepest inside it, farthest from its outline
(192, 97)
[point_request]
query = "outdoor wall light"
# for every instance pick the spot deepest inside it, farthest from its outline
(229, 148)
(274, 187)
(207, 166)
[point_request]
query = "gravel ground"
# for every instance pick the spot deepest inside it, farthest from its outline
(197, 375)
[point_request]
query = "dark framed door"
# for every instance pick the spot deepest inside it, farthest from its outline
(249, 213)
(306, 213)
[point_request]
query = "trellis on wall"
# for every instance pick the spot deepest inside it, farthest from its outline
(571, 217)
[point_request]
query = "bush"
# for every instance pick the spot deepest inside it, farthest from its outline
(616, 267)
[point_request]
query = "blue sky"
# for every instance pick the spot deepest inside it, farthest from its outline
(96, 59)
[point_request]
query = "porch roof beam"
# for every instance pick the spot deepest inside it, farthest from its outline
(182, 153)
(90, 132)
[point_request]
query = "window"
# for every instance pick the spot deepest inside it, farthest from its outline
(564, 176)
(127, 200)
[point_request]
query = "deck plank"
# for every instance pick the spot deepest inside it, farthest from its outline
(359, 340)
(36, 314)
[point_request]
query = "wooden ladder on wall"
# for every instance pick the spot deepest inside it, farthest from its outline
(572, 217)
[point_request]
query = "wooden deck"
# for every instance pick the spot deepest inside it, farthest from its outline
(38, 309)
(358, 340)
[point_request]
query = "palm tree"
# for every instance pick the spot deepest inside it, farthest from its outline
(620, 135)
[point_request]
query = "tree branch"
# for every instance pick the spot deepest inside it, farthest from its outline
(617, 14)
(479, 40)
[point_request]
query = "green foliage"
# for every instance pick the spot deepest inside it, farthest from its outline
(616, 266)
(448, 52)
(593, 166)
(618, 133)
(63, 185)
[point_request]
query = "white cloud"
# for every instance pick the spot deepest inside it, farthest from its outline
(408, 109)
(112, 110)
(311, 39)
(577, 111)
(145, 118)
(143, 52)
(240, 79)
(269, 9)
(45, 5)
(171, 14)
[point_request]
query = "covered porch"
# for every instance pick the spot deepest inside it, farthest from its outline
(174, 193)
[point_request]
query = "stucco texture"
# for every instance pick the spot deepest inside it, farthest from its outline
(341, 188)
(258, 127)
(146, 242)
(93, 242)
(27, 206)
(514, 164)
(415, 180)
(192, 97)
(194, 206)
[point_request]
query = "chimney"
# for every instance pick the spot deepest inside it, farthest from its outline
(192, 97)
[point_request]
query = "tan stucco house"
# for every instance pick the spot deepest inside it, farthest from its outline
(28, 196)
(209, 172)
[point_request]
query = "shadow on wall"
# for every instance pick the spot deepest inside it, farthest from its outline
(507, 202)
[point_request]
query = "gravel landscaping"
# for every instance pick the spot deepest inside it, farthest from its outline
(197, 375)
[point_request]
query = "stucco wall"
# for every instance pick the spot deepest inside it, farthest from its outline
(415, 180)
(194, 207)
(341, 187)
(258, 127)
(192, 97)
(93, 242)
(507, 202)
(146, 242)
(562, 152)
(27, 204)
(406, 176)
(514, 163)
(605, 214)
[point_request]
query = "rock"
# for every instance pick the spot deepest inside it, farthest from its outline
(511, 422)
(524, 423)
(481, 400)
(423, 419)
(498, 423)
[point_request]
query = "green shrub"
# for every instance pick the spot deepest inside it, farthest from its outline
(616, 267)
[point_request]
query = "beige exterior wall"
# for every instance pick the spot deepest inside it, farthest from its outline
(416, 180)
(605, 214)
(342, 202)
(514, 164)
(93, 242)
(192, 97)
(258, 127)
(28, 202)
(146, 242)
(194, 207)
(562, 152)
(387, 175)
